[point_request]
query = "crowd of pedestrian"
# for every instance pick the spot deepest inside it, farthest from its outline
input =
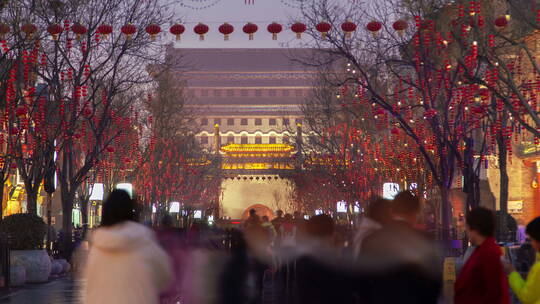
(291, 259)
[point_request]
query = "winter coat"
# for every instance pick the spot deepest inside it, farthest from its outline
(527, 291)
(125, 266)
(482, 279)
(367, 227)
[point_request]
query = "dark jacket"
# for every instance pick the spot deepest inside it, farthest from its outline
(482, 279)
(406, 266)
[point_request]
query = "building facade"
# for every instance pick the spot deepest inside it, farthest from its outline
(248, 107)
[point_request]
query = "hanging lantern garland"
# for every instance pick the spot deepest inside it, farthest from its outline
(79, 30)
(323, 28)
(274, 28)
(374, 27)
(29, 30)
(153, 30)
(400, 26)
(177, 30)
(4, 30)
(55, 30)
(105, 30)
(128, 30)
(250, 29)
(201, 29)
(348, 28)
(226, 29)
(298, 28)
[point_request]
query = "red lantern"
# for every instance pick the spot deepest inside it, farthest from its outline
(374, 27)
(105, 30)
(110, 149)
(87, 112)
(177, 30)
(201, 29)
(501, 21)
(21, 111)
(348, 27)
(395, 131)
(29, 29)
(323, 27)
(79, 30)
(400, 26)
(274, 29)
(152, 30)
(55, 30)
(14, 131)
(128, 30)
(226, 29)
(4, 29)
(298, 28)
(250, 29)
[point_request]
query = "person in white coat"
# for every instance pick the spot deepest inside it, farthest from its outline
(125, 263)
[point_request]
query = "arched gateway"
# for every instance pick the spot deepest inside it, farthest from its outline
(256, 176)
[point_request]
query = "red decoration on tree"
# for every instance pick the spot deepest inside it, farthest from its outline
(201, 29)
(274, 28)
(105, 30)
(79, 30)
(87, 112)
(400, 26)
(177, 30)
(348, 27)
(501, 21)
(374, 27)
(55, 30)
(298, 28)
(21, 111)
(153, 29)
(4, 30)
(323, 27)
(250, 29)
(226, 29)
(29, 29)
(128, 30)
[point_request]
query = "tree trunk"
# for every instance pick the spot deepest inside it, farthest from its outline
(67, 226)
(2, 200)
(31, 200)
(85, 215)
(446, 213)
(503, 189)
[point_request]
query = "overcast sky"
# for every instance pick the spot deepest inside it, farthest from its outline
(235, 12)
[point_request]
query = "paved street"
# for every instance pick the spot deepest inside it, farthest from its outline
(60, 291)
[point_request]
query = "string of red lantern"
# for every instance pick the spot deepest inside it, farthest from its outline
(201, 29)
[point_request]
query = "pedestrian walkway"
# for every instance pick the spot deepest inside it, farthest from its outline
(60, 291)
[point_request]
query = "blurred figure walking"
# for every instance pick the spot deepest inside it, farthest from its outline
(125, 264)
(482, 279)
(406, 262)
(379, 213)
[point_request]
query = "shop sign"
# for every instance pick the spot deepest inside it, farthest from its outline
(515, 206)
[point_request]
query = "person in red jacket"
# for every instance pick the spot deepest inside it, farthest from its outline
(482, 279)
